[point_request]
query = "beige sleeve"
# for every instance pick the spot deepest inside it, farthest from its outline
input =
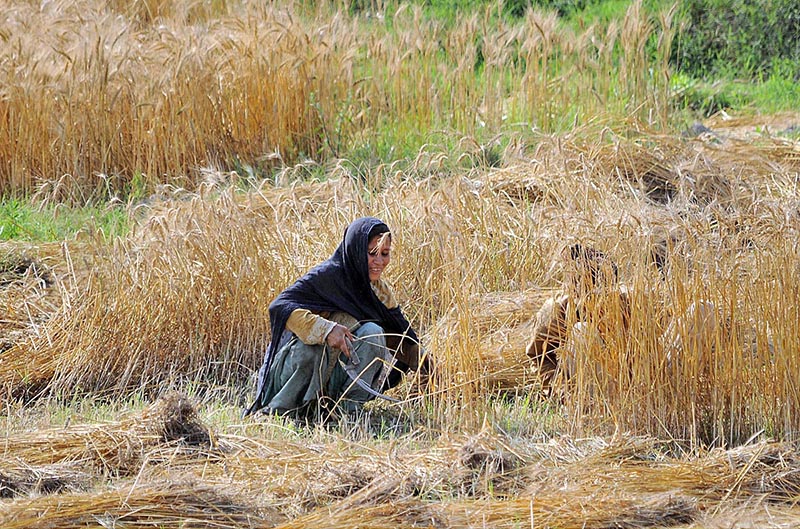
(384, 293)
(549, 327)
(310, 328)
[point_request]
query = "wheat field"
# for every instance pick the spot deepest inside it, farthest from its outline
(125, 362)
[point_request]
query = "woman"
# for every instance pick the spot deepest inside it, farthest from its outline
(589, 310)
(338, 335)
(594, 309)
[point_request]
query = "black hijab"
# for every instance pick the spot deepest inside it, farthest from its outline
(339, 284)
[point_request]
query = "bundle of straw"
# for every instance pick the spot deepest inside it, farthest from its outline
(116, 448)
(18, 478)
(501, 322)
(765, 469)
(167, 506)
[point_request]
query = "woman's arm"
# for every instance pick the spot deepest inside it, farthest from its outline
(313, 329)
(310, 328)
(550, 327)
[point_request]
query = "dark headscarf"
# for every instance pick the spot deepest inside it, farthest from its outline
(339, 284)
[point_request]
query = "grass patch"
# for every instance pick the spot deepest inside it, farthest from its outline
(22, 220)
(600, 12)
(778, 93)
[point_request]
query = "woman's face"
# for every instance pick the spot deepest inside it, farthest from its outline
(380, 249)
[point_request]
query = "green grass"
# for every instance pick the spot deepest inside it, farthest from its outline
(602, 13)
(22, 220)
(778, 93)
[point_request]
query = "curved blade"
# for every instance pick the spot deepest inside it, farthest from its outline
(352, 372)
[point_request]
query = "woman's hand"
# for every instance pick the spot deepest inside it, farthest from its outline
(340, 338)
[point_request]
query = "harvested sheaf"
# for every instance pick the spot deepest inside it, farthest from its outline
(664, 170)
(116, 448)
(14, 269)
(24, 372)
(36, 282)
(771, 469)
(18, 479)
(500, 323)
(27, 293)
(167, 506)
(593, 510)
(766, 470)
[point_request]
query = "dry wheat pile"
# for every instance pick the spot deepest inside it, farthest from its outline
(264, 476)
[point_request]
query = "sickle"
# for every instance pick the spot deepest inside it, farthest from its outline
(351, 368)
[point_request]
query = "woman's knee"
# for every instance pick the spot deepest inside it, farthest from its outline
(303, 357)
(372, 333)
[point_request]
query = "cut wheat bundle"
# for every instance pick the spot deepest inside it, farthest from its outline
(117, 448)
(18, 478)
(167, 506)
(766, 470)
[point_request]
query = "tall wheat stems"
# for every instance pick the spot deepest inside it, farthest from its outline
(125, 96)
